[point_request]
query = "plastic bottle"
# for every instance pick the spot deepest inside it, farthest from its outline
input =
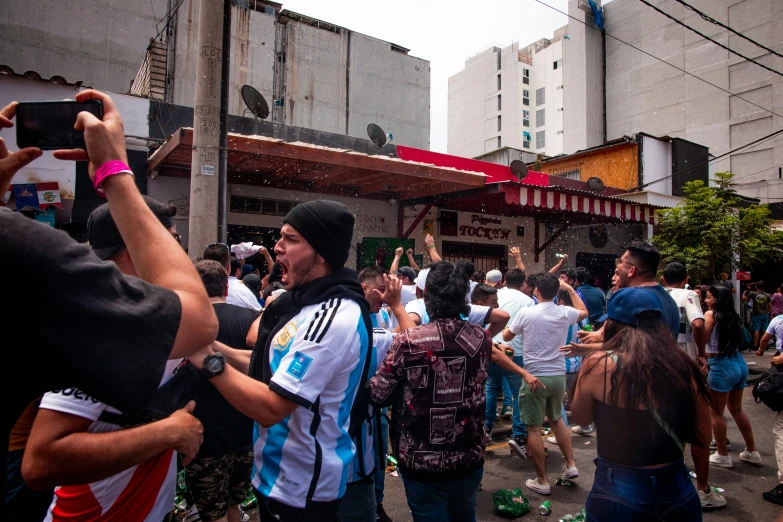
(588, 328)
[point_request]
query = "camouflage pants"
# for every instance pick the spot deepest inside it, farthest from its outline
(219, 482)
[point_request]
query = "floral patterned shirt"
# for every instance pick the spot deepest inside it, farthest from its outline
(433, 376)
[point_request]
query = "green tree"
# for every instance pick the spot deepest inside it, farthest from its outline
(707, 228)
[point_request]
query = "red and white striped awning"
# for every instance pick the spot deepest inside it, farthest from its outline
(556, 199)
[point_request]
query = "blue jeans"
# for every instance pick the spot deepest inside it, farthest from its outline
(443, 501)
(622, 493)
(508, 393)
(358, 503)
(495, 378)
(380, 456)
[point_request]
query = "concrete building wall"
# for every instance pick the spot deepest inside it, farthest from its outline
(582, 83)
(252, 55)
(644, 94)
(546, 77)
(99, 42)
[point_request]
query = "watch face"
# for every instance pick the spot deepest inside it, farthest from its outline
(213, 365)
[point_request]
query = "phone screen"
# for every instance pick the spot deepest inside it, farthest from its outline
(49, 125)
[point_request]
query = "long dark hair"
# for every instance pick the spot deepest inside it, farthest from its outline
(447, 289)
(727, 321)
(651, 370)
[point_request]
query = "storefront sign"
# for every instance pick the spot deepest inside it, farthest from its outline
(481, 220)
(743, 276)
(485, 232)
(371, 223)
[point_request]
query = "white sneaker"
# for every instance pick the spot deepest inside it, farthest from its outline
(723, 461)
(551, 439)
(541, 489)
(711, 500)
(751, 456)
(569, 473)
(583, 431)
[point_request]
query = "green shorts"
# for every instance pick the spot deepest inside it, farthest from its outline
(545, 401)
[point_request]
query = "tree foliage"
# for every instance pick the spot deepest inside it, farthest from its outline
(708, 227)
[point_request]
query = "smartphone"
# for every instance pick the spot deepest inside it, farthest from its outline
(48, 125)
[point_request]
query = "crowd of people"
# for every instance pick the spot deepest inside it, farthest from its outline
(293, 379)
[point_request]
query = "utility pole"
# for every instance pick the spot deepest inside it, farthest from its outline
(204, 178)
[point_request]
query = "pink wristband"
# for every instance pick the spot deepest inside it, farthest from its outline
(110, 168)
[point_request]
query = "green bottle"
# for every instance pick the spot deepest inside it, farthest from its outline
(588, 328)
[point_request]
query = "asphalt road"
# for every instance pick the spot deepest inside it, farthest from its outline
(743, 484)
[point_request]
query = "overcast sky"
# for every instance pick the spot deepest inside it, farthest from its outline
(444, 32)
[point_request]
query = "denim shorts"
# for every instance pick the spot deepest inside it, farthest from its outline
(727, 373)
(759, 323)
(622, 493)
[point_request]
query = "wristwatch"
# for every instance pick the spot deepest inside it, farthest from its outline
(213, 365)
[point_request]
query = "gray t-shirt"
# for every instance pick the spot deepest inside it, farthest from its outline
(544, 329)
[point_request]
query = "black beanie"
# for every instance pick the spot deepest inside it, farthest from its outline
(327, 226)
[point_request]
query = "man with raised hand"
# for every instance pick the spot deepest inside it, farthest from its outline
(106, 334)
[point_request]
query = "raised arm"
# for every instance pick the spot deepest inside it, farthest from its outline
(432, 251)
(514, 253)
(156, 255)
(559, 265)
(268, 258)
(575, 299)
(395, 266)
(411, 260)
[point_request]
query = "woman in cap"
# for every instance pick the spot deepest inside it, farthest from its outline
(647, 399)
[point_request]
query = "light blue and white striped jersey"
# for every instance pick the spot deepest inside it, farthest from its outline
(573, 364)
(382, 340)
(317, 360)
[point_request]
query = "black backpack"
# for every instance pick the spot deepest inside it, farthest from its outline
(769, 389)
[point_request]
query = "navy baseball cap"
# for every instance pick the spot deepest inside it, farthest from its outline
(406, 271)
(627, 304)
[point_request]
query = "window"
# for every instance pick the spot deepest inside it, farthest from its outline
(500, 104)
(526, 76)
(560, 132)
(540, 118)
(525, 97)
(559, 88)
(499, 84)
(540, 139)
(525, 123)
(525, 144)
(500, 127)
(540, 96)
(557, 65)
(560, 109)
(571, 174)
(237, 204)
(498, 55)
(525, 118)
(499, 142)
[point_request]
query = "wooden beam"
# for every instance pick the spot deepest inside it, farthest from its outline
(536, 239)
(417, 220)
(551, 239)
(163, 152)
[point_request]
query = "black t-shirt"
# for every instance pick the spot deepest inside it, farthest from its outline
(72, 320)
(225, 429)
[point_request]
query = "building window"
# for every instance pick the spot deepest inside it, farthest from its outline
(525, 97)
(540, 96)
(525, 118)
(500, 127)
(557, 64)
(499, 84)
(526, 76)
(560, 132)
(525, 144)
(525, 101)
(500, 103)
(571, 174)
(525, 140)
(540, 139)
(560, 109)
(559, 88)
(540, 118)
(499, 142)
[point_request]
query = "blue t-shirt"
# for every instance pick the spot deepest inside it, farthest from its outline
(594, 300)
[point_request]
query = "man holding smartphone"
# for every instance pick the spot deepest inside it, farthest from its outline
(105, 333)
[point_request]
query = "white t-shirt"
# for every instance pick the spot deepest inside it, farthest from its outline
(512, 301)
(471, 286)
(544, 329)
(240, 295)
(142, 493)
(317, 358)
(690, 310)
(478, 314)
(407, 294)
(776, 328)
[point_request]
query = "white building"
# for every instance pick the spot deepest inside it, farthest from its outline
(509, 97)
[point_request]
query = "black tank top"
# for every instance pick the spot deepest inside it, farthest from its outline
(633, 437)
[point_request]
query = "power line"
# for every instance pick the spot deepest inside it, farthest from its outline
(711, 20)
(758, 172)
(660, 59)
(670, 17)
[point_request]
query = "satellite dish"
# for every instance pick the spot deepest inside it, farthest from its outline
(519, 169)
(377, 135)
(255, 102)
(595, 184)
